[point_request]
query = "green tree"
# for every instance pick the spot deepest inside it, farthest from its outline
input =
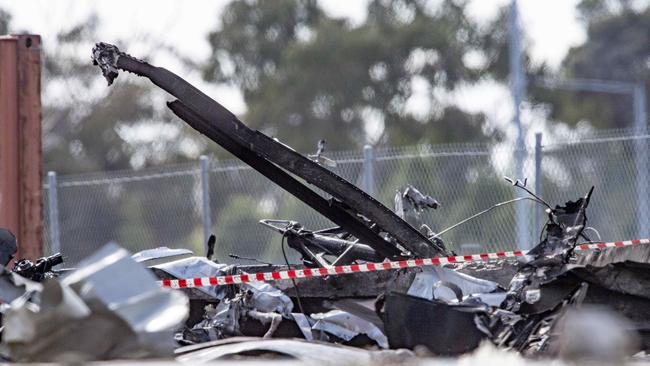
(307, 76)
(88, 127)
(5, 18)
(617, 48)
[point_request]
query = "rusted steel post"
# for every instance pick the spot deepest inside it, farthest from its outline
(31, 157)
(9, 186)
(21, 206)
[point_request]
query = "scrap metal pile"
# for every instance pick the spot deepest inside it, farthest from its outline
(447, 310)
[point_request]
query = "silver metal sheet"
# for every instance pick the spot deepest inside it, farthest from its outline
(346, 326)
(423, 284)
(196, 267)
(160, 253)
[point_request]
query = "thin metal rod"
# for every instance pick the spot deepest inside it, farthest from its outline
(638, 93)
(518, 184)
(53, 213)
(484, 212)
(205, 199)
(368, 170)
(641, 161)
(538, 174)
(518, 86)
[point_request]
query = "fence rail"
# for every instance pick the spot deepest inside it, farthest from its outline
(180, 206)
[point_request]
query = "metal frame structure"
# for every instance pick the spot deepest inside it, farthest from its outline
(638, 93)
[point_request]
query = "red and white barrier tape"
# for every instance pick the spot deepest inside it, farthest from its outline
(367, 267)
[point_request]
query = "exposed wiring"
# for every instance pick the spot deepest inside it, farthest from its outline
(484, 212)
(519, 184)
(295, 286)
(589, 242)
(541, 233)
(535, 198)
(235, 256)
(595, 231)
(581, 234)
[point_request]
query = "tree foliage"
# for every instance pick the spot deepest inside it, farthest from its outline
(617, 49)
(5, 18)
(306, 76)
(89, 127)
(86, 129)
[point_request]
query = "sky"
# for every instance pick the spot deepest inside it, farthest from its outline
(550, 25)
(550, 28)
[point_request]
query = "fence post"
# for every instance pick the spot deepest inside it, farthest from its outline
(205, 199)
(641, 160)
(538, 178)
(368, 170)
(53, 213)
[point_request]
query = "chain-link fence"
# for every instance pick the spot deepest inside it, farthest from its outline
(165, 207)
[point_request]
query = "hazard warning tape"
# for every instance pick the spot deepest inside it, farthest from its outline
(367, 267)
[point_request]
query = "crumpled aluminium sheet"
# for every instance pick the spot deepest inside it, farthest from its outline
(306, 352)
(110, 307)
(221, 320)
(149, 255)
(304, 324)
(346, 326)
(266, 298)
(44, 331)
(13, 286)
(197, 267)
(424, 282)
(269, 305)
(257, 300)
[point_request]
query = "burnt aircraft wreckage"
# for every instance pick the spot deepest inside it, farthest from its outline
(450, 310)
(516, 305)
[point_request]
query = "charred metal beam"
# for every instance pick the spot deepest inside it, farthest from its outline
(110, 60)
(341, 217)
(313, 245)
